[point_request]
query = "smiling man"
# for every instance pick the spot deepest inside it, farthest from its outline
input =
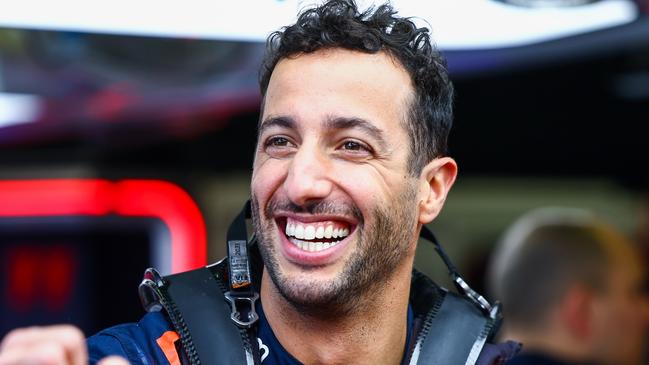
(350, 165)
(336, 208)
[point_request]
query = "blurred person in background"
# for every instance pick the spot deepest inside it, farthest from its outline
(573, 290)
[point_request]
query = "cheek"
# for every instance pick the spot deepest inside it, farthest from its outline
(624, 316)
(267, 177)
(635, 316)
(364, 185)
(371, 188)
(385, 179)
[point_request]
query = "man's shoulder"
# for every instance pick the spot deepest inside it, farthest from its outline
(148, 341)
(497, 354)
(465, 328)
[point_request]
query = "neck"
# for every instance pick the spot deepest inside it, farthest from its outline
(374, 333)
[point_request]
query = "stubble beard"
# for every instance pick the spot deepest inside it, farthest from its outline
(380, 249)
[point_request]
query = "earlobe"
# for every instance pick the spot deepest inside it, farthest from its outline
(436, 180)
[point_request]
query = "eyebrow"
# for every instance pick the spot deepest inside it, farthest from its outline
(340, 123)
(282, 121)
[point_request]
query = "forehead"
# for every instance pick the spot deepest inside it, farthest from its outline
(339, 82)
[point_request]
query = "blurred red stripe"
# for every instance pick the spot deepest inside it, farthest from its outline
(142, 198)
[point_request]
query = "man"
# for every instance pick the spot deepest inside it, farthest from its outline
(350, 164)
(572, 289)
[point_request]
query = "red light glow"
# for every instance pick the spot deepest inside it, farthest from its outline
(95, 197)
(42, 277)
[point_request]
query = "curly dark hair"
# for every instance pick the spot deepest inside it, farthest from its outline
(339, 24)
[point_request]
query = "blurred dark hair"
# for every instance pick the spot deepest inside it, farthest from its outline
(339, 24)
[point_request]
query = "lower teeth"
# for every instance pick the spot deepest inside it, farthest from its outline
(312, 246)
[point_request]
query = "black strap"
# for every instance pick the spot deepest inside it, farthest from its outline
(454, 333)
(463, 288)
(199, 301)
(241, 295)
(198, 297)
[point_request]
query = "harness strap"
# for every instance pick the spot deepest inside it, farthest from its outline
(453, 333)
(199, 297)
(241, 295)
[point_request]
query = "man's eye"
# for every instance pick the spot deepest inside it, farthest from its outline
(278, 146)
(354, 146)
(277, 142)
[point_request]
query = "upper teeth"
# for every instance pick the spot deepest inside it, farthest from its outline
(305, 231)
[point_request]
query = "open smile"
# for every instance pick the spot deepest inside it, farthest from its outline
(314, 240)
(315, 236)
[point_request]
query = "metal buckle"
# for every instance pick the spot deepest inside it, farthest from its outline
(149, 290)
(476, 298)
(236, 314)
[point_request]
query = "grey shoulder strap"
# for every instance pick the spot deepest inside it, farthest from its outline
(453, 333)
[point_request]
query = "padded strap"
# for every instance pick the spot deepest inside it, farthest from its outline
(454, 334)
(207, 316)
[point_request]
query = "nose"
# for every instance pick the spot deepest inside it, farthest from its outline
(308, 178)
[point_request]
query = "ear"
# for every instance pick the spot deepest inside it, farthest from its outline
(436, 180)
(576, 312)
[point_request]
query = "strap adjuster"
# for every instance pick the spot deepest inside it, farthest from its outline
(243, 312)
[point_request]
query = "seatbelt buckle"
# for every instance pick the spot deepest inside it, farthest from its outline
(243, 309)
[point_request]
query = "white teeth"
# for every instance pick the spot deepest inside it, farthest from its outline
(314, 231)
(313, 246)
(328, 231)
(319, 233)
(309, 233)
(299, 231)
